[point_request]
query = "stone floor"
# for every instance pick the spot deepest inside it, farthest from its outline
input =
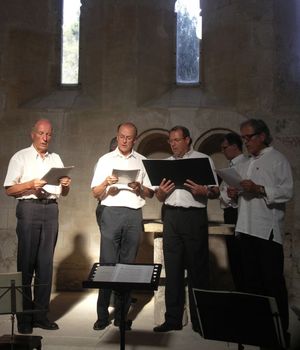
(75, 314)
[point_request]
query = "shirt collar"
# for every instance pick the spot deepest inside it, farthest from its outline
(263, 152)
(186, 155)
(117, 153)
(36, 153)
(236, 159)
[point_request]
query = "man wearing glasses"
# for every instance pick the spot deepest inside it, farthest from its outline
(267, 185)
(185, 235)
(119, 213)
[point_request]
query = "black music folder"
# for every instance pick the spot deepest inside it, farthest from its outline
(241, 318)
(178, 171)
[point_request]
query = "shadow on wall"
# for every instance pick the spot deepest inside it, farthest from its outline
(70, 273)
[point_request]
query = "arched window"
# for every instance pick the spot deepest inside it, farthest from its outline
(188, 41)
(70, 42)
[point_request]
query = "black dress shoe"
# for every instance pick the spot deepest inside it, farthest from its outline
(99, 325)
(128, 324)
(25, 328)
(166, 327)
(45, 324)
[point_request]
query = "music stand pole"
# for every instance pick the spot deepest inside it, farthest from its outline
(13, 305)
(123, 288)
(122, 320)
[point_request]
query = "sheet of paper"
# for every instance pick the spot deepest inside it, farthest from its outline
(126, 176)
(124, 273)
(230, 176)
(104, 274)
(54, 174)
(133, 273)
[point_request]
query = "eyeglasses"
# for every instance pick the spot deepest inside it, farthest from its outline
(176, 140)
(127, 138)
(248, 137)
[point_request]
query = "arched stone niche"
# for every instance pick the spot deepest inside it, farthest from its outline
(210, 143)
(153, 144)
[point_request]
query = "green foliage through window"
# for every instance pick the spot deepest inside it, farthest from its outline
(70, 41)
(188, 41)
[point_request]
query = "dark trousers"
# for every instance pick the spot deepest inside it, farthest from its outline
(121, 230)
(37, 228)
(263, 271)
(185, 246)
(233, 249)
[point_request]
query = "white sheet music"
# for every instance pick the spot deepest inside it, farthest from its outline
(126, 176)
(230, 176)
(54, 174)
(124, 273)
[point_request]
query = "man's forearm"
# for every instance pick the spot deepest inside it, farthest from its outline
(18, 189)
(100, 190)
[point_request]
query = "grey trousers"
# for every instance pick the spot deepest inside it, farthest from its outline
(37, 229)
(121, 229)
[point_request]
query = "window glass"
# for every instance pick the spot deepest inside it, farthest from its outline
(70, 42)
(188, 41)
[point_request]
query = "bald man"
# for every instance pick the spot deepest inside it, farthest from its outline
(37, 222)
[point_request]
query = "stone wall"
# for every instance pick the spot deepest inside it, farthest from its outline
(250, 68)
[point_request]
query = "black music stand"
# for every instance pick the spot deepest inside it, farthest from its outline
(11, 295)
(240, 318)
(123, 288)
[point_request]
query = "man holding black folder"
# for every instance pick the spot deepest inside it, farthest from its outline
(37, 225)
(185, 234)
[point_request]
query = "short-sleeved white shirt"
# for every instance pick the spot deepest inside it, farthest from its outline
(27, 164)
(116, 160)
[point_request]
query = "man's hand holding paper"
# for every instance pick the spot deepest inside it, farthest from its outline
(136, 187)
(65, 181)
(112, 179)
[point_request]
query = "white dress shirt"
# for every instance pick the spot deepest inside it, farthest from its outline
(258, 216)
(184, 198)
(27, 164)
(116, 160)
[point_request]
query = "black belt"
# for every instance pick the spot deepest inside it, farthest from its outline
(182, 208)
(40, 200)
